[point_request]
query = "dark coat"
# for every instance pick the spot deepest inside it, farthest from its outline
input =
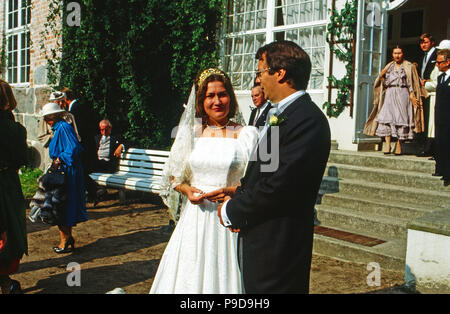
(262, 117)
(275, 210)
(429, 66)
(87, 124)
(12, 203)
(442, 128)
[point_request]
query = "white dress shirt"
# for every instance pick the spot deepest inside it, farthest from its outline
(259, 111)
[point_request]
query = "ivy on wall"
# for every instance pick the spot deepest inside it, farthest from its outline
(341, 34)
(135, 61)
(52, 27)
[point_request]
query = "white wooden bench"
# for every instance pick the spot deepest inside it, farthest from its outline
(139, 170)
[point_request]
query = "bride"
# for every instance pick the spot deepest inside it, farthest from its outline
(210, 153)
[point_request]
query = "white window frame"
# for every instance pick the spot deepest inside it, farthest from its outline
(269, 32)
(22, 60)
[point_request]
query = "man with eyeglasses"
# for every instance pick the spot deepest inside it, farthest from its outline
(442, 117)
(273, 211)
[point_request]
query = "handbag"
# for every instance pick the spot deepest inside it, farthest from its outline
(54, 178)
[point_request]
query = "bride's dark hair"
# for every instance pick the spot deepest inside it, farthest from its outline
(201, 86)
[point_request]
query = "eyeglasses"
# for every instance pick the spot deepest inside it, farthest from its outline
(439, 62)
(258, 73)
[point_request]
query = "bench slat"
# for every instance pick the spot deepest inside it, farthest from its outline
(141, 164)
(143, 183)
(140, 170)
(149, 152)
(144, 158)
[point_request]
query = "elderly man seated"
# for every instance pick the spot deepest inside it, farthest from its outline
(109, 148)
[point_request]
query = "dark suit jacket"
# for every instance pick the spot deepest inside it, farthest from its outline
(87, 125)
(442, 125)
(262, 117)
(115, 141)
(275, 210)
(429, 66)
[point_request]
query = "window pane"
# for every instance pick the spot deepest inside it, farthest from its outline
(249, 44)
(292, 35)
(249, 63)
(261, 19)
(238, 43)
(15, 19)
(22, 74)
(304, 37)
(306, 12)
(251, 5)
(247, 81)
(27, 74)
(237, 63)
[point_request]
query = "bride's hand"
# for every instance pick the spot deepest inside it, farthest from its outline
(194, 195)
(220, 194)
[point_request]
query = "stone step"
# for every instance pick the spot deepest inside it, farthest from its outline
(389, 255)
(385, 192)
(390, 176)
(369, 206)
(371, 224)
(379, 160)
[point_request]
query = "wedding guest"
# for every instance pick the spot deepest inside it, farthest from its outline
(262, 106)
(86, 120)
(65, 150)
(273, 209)
(430, 86)
(397, 111)
(45, 133)
(442, 117)
(13, 232)
(210, 152)
(109, 148)
(425, 67)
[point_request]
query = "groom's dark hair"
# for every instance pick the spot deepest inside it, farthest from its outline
(291, 57)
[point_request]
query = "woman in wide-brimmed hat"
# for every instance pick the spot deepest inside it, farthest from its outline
(64, 150)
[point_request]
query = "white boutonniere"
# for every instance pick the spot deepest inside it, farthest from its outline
(275, 120)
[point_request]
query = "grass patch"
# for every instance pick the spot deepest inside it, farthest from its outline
(28, 179)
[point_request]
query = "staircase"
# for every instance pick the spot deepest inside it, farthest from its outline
(366, 201)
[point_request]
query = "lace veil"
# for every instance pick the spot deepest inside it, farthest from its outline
(176, 169)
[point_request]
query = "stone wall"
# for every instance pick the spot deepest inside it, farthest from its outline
(30, 101)
(31, 97)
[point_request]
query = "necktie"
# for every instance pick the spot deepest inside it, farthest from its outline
(256, 116)
(442, 78)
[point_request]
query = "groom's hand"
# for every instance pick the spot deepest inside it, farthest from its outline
(219, 196)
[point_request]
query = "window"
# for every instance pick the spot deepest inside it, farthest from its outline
(18, 41)
(252, 23)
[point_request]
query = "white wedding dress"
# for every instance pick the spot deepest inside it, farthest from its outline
(201, 256)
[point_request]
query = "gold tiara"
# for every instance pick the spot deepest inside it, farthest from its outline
(207, 73)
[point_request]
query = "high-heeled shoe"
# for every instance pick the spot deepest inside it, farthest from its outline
(69, 246)
(15, 288)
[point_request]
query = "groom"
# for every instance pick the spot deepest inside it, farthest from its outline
(274, 209)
